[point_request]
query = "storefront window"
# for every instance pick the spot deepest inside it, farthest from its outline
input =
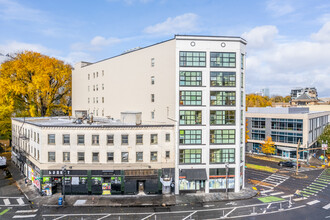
(191, 185)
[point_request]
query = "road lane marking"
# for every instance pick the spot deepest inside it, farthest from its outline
(267, 191)
(60, 217)
(327, 206)
(287, 196)
(20, 201)
(189, 215)
(225, 216)
(148, 216)
(313, 202)
(104, 217)
(6, 201)
(277, 193)
(27, 211)
(299, 199)
(24, 216)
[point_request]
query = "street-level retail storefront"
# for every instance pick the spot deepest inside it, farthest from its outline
(192, 180)
(142, 181)
(220, 180)
(106, 182)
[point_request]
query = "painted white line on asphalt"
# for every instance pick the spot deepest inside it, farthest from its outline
(20, 201)
(104, 217)
(327, 206)
(269, 205)
(6, 201)
(27, 211)
(287, 196)
(6, 197)
(313, 202)
(148, 216)
(15, 205)
(277, 193)
(271, 182)
(267, 191)
(24, 216)
(188, 215)
(284, 210)
(60, 217)
(299, 199)
(225, 216)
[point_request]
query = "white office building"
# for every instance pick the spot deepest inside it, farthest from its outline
(195, 83)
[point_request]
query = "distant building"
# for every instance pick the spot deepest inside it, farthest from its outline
(286, 126)
(265, 92)
(304, 96)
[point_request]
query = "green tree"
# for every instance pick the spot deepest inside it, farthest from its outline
(33, 85)
(325, 137)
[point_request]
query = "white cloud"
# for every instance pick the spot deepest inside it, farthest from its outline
(16, 47)
(11, 10)
(261, 37)
(181, 24)
(324, 34)
(75, 57)
(279, 7)
(101, 41)
(286, 65)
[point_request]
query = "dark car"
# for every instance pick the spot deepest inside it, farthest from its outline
(288, 164)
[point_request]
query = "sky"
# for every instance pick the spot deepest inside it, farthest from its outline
(288, 40)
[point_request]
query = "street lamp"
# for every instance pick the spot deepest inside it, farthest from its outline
(63, 182)
(227, 168)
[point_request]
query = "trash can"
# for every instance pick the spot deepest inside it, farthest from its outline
(60, 201)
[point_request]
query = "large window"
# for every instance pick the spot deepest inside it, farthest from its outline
(95, 140)
(124, 139)
(110, 156)
(223, 79)
(258, 135)
(223, 98)
(81, 156)
(190, 117)
(95, 157)
(285, 137)
(222, 155)
(258, 123)
(80, 139)
(190, 156)
(219, 179)
(66, 156)
(222, 117)
(153, 156)
(287, 124)
(190, 97)
(124, 156)
(223, 59)
(153, 139)
(226, 136)
(139, 139)
(192, 59)
(190, 78)
(51, 138)
(139, 156)
(190, 136)
(66, 139)
(51, 157)
(110, 139)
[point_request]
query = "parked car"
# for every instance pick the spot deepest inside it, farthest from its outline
(288, 164)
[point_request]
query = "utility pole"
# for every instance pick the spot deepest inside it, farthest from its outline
(297, 155)
(227, 168)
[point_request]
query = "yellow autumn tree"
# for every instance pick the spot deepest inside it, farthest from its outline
(253, 100)
(268, 146)
(247, 137)
(32, 84)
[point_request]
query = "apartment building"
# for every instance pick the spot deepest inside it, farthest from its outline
(102, 156)
(286, 127)
(195, 83)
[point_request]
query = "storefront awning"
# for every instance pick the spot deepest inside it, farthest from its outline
(193, 174)
(287, 148)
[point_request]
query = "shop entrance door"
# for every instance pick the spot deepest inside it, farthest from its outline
(141, 187)
(286, 154)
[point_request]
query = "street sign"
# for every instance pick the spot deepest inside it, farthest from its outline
(324, 146)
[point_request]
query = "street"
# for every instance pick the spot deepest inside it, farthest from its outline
(276, 200)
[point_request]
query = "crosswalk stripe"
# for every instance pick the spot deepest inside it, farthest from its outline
(277, 193)
(311, 190)
(24, 216)
(6, 201)
(304, 192)
(313, 202)
(287, 196)
(20, 201)
(27, 211)
(315, 186)
(327, 206)
(299, 199)
(319, 184)
(267, 191)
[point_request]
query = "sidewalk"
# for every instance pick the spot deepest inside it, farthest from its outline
(124, 200)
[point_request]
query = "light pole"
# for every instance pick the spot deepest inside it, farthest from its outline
(63, 183)
(227, 168)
